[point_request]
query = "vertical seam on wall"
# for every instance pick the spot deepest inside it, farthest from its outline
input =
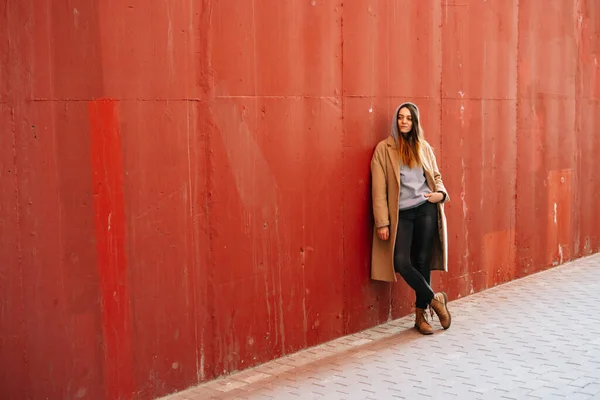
(390, 316)
(254, 54)
(208, 160)
(344, 310)
(191, 277)
(576, 222)
(441, 82)
(516, 121)
(11, 101)
(441, 132)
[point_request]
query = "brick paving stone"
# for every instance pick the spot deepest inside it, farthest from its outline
(591, 389)
(580, 396)
(535, 338)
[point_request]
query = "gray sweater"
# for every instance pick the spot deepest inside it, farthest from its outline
(413, 187)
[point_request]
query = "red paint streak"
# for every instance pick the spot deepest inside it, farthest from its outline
(109, 219)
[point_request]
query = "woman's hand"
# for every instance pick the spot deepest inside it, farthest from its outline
(435, 197)
(383, 233)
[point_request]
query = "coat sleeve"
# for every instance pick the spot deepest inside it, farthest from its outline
(379, 190)
(437, 176)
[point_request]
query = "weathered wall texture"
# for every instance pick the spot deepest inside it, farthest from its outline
(184, 184)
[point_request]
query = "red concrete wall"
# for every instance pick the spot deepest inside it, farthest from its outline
(185, 184)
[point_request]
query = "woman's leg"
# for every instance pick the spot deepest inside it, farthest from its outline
(425, 228)
(402, 263)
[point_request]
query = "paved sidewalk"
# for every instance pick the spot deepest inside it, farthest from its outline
(535, 338)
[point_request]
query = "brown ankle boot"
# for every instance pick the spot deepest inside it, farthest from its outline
(421, 322)
(440, 306)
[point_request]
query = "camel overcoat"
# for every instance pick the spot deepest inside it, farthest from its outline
(385, 173)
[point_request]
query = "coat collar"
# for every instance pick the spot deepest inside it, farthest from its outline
(391, 142)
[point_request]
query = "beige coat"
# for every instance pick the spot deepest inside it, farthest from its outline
(385, 172)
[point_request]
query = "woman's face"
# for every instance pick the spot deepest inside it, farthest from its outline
(404, 120)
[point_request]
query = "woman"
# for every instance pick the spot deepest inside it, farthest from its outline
(410, 225)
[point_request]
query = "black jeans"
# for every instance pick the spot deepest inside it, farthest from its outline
(414, 244)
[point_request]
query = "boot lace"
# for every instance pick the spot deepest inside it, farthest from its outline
(423, 314)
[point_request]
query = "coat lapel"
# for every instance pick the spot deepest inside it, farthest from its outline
(425, 161)
(427, 168)
(394, 159)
